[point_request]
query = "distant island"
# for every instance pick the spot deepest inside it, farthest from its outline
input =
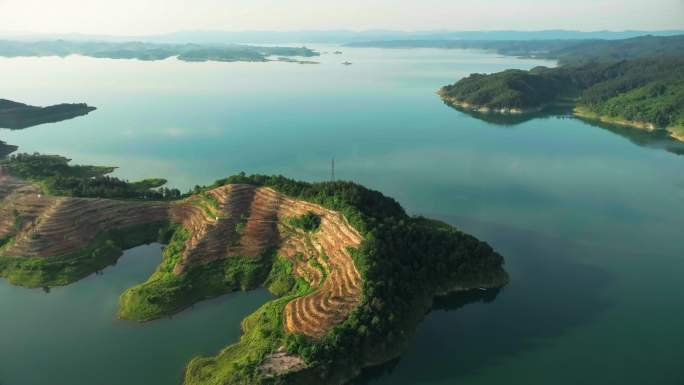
(150, 51)
(644, 91)
(352, 272)
(15, 116)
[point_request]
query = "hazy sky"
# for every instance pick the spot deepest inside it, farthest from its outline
(130, 17)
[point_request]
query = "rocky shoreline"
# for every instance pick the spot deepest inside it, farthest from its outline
(454, 102)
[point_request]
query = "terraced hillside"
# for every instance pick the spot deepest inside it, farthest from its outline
(248, 221)
(352, 272)
(47, 226)
(49, 241)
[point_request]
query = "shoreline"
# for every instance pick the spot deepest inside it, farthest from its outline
(649, 127)
(676, 133)
(457, 103)
(345, 372)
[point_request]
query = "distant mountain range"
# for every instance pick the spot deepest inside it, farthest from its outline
(340, 36)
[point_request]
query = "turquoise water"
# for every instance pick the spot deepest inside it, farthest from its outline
(589, 219)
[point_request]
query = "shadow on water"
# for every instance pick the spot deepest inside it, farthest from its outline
(658, 139)
(454, 301)
(549, 295)
(560, 111)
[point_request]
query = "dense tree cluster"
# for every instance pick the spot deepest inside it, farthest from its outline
(58, 177)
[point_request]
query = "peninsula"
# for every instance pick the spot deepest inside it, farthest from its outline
(646, 91)
(15, 116)
(352, 272)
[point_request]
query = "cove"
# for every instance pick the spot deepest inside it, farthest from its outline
(70, 335)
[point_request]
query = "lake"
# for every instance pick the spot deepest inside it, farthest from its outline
(589, 218)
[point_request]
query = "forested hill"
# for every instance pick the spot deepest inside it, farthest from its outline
(570, 51)
(610, 50)
(14, 115)
(638, 82)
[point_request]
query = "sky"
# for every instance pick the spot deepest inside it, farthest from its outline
(142, 17)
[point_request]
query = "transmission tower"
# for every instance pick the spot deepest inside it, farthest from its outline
(332, 170)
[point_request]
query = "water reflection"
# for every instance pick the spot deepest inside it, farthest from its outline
(658, 139)
(450, 302)
(516, 119)
(550, 294)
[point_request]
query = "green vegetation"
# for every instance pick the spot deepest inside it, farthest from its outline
(16, 116)
(510, 89)
(150, 51)
(307, 222)
(644, 92)
(62, 270)
(263, 334)
(58, 177)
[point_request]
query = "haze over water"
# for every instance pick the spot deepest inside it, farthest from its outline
(589, 222)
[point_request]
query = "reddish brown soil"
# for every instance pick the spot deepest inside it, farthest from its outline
(249, 222)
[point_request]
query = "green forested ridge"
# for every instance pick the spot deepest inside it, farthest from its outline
(14, 115)
(566, 51)
(510, 89)
(148, 51)
(649, 91)
(58, 177)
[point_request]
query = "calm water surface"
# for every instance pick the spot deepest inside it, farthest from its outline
(588, 218)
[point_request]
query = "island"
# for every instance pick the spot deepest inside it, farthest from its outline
(352, 272)
(643, 91)
(6, 149)
(150, 51)
(15, 116)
